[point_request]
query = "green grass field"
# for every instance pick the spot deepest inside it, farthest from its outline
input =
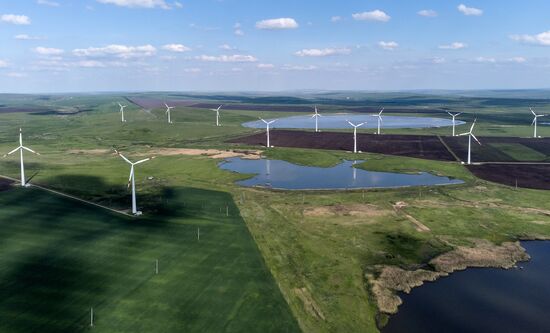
(58, 258)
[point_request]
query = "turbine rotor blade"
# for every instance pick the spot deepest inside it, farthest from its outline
(30, 150)
(141, 161)
(13, 151)
(473, 136)
(131, 174)
(123, 157)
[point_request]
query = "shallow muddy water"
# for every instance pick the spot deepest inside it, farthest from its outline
(482, 300)
(339, 121)
(284, 175)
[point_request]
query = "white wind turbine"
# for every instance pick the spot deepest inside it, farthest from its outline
(379, 115)
(535, 121)
(267, 123)
(122, 111)
(470, 135)
(454, 115)
(355, 134)
(21, 148)
(131, 180)
(217, 114)
(316, 115)
(168, 108)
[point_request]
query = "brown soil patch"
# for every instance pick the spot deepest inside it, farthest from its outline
(392, 279)
(355, 210)
(212, 153)
(310, 305)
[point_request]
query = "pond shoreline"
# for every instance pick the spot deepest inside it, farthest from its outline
(387, 282)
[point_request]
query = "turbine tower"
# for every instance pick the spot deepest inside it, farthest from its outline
(316, 115)
(122, 111)
(379, 115)
(454, 115)
(168, 108)
(131, 180)
(267, 123)
(470, 135)
(355, 134)
(535, 121)
(217, 114)
(21, 148)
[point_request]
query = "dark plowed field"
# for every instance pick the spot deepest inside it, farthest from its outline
(428, 147)
(22, 110)
(251, 107)
(501, 149)
(529, 176)
(149, 103)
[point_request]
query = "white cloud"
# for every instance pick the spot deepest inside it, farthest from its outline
(277, 24)
(236, 69)
(192, 70)
(299, 68)
(15, 19)
(3, 63)
(438, 60)
(26, 37)
(518, 60)
(176, 48)
(486, 60)
(48, 51)
(137, 3)
(227, 58)
(540, 39)
(227, 47)
(453, 46)
(16, 74)
(90, 64)
(48, 3)
(178, 4)
(388, 45)
(427, 13)
(375, 15)
(336, 19)
(119, 51)
(322, 52)
(265, 66)
(469, 11)
(237, 29)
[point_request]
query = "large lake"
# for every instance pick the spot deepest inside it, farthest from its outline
(339, 121)
(284, 175)
(482, 300)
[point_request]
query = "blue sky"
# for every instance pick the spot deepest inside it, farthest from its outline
(257, 45)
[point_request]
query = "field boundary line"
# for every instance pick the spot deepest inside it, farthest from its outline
(65, 195)
(448, 148)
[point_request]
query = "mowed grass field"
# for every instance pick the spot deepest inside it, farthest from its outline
(59, 258)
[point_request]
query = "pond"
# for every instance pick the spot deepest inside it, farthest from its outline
(482, 299)
(339, 121)
(284, 175)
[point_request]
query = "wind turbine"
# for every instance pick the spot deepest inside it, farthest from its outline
(122, 111)
(316, 115)
(379, 115)
(217, 114)
(267, 123)
(131, 180)
(535, 121)
(355, 134)
(470, 135)
(21, 148)
(168, 108)
(454, 115)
